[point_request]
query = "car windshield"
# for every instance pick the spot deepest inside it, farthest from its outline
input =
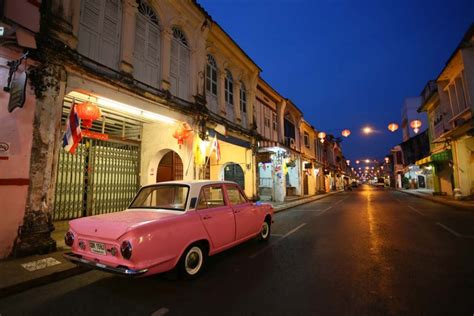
(168, 196)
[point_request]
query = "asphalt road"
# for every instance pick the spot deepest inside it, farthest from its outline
(369, 251)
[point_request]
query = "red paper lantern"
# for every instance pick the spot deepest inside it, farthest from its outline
(392, 127)
(88, 112)
(182, 132)
(346, 133)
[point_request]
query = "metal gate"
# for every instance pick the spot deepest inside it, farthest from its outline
(101, 177)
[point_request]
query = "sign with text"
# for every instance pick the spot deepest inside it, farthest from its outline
(95, 135)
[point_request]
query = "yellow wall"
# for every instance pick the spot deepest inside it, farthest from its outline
(235, 154)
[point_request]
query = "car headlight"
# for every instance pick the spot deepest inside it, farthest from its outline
(69, 239)
(126, 249)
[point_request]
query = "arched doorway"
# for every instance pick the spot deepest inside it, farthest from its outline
(170, 168)
(234, 172)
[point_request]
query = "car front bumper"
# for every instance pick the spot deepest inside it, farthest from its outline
(78, 259)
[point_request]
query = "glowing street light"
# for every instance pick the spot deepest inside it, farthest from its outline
(357, 161)
(367, 161)
(367, 130)
(387, 160)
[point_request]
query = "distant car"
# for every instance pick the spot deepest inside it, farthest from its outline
(380, 182)
(354, 184)
(168, 225)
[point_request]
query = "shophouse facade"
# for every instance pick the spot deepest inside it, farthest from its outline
(271, 151)
(291, 121)
(438, 164)
(146, 66)
(308, 158)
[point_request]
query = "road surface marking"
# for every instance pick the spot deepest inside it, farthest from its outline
(296, 210)
(276, 242)
(414, 209)
(276, 235)
(324, 211)
(452, 231)
(162, 311)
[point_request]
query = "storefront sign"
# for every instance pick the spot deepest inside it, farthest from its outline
(95, 135)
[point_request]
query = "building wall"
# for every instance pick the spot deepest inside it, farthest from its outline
(16, 129)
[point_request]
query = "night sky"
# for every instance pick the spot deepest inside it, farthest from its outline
(347, 63)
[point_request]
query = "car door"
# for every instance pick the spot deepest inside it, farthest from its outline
(216, 215)
(246, 214)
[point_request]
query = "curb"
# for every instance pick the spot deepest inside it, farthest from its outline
(439, 201)
(316, 198)
(54, 277)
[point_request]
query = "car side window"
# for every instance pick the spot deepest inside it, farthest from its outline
(235, 196)
(211, 196)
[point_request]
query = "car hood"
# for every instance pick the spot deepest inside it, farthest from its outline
(114, 225)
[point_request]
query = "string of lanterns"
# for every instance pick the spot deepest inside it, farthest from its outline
(392, 127)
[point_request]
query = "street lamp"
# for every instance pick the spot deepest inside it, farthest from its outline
(367, 130)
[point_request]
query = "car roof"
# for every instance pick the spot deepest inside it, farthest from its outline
(193, 183)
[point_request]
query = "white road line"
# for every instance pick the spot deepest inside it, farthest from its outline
(276, 242)
(449, 230)
(324, 211)
(452, 231)
(414, 209)
(296, 210)
(162, 311)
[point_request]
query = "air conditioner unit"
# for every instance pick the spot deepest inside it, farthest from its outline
(292, 143)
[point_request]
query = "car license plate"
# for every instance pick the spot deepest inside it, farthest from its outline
(97, 247)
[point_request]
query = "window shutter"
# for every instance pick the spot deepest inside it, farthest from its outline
(109, 45)
(153, 54)
(183, 72)
(174, 68)
(139, 66)
(89, 29)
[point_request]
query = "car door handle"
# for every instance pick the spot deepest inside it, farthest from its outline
(206, 217)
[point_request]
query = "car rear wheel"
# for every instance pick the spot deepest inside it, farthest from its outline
(192, 262)
(264, 234)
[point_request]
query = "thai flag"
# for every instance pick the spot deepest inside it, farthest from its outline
(73, 135)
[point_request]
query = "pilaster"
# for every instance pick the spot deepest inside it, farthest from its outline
(166, 59)
(129, 17)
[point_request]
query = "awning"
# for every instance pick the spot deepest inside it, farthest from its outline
(229, 139)
(445, 155)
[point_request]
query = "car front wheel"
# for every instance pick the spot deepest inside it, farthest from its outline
(192, 262)
(264, 234)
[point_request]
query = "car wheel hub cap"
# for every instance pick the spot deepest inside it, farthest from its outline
(193, 260)
(264, 231)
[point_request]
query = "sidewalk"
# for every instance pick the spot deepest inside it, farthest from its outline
(18, 275)
(441, 199)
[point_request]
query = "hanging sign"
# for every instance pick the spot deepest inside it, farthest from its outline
(16, 84)
(95, 135)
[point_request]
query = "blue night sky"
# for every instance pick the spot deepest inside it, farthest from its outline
(347, 63)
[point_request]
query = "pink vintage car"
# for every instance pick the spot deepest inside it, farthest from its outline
(168, 225)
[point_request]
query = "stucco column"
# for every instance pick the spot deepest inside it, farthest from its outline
(34, 235)
(468, 61)
(281, 120)
(165, 59)
(221, 93)
(250, 108)
(237, 85)
(129, 17)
